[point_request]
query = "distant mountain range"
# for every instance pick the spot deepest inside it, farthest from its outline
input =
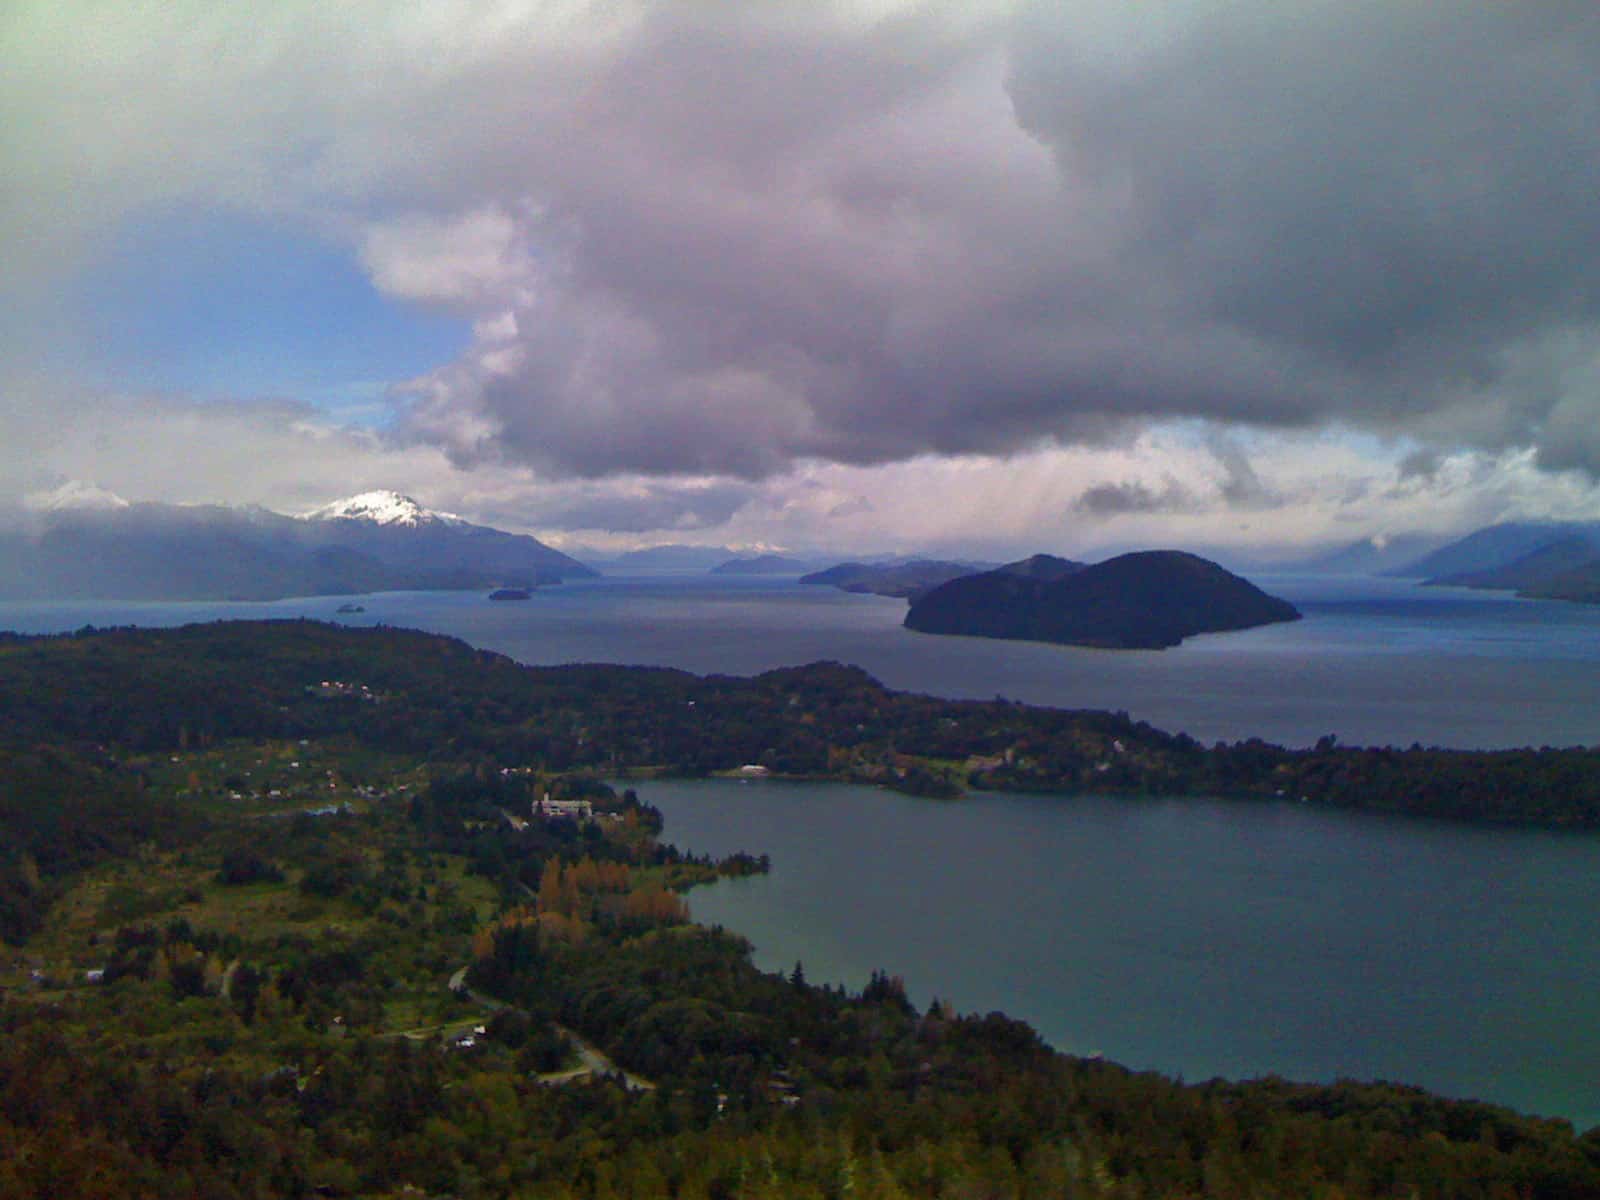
(377, 541)
(1531, 570)
(1553, 560)
(1497, 546)
(762, 564)
(1142, 601)
(912, 577)
(1563, 563)
(902, 579)
(1370, 556)
(671, 557)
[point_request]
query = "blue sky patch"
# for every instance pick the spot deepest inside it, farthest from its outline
(209, 302)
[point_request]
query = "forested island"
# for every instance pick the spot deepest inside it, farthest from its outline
(292, 910)
(1148, 600)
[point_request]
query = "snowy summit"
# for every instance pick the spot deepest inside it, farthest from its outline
(382, 508)
(74, 496)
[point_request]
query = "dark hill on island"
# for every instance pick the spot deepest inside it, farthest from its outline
(1045, 567)
(1143, 601)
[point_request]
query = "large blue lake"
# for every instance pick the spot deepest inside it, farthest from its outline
(1194, 937)
(1374, 661)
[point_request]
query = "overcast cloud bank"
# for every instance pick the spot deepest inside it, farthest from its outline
(780, 273)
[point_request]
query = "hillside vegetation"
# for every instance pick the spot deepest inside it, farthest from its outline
(284, 919)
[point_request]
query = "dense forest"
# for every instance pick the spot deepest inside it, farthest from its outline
(281, 918)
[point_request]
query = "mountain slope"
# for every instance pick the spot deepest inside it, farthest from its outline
(1565, 569)
(1377, 555)
(176, 552)
(899, 580)
(1495, 546)
(1531, 572)
(397, 531)
(762, 564)
(1580, 585)
(671, 557)
(214, 552)
(1146, 600)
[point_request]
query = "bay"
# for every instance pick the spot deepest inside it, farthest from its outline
(1195, 937)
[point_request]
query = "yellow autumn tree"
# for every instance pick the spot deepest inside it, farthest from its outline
(550, 890)
(655, 905)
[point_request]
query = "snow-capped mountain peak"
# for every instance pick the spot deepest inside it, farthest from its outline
(382, 508)
(74, 496)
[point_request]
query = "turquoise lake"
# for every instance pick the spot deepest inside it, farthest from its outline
(1198, 938)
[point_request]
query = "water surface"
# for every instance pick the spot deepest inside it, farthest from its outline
(1195, 937)
(1374, 661)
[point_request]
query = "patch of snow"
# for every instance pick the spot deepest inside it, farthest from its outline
(74, 494)
(381, 508)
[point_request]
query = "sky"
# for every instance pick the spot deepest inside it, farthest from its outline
(848, 275)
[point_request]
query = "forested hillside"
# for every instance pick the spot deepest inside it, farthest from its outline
(413, 692)
(285, 918)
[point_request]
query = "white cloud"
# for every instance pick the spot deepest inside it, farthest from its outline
(477, 261)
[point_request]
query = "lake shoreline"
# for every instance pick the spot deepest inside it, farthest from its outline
(1375, 661)
(1019, 904)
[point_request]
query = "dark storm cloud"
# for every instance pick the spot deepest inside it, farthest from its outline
(772, 240)
(1237, 486)
(1118, 499)
(1395, 200)
(1419, 464)
(1241, 487)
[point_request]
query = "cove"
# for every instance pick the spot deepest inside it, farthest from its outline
(1194, 937)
